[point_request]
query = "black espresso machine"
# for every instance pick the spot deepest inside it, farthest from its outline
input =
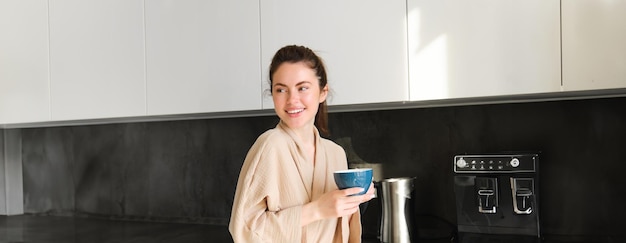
(497, 197)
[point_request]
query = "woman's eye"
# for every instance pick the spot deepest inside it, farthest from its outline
(279, 90)
(304, 88)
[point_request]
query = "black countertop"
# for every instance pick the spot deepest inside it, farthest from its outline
(514, 239)
(51, 229)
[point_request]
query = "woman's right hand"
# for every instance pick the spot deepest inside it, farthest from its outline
(334, 204)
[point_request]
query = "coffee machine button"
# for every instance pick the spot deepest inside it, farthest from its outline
(461, 163)
(515, 162)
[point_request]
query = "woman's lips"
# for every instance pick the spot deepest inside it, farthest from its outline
(295, 111)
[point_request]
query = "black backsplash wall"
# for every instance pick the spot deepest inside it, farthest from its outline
(187, 170)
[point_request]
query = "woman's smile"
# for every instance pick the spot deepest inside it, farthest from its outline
(295, 111)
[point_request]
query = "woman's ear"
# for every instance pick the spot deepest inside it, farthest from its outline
(323, 94)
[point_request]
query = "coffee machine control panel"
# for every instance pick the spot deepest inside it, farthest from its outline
(495, 163)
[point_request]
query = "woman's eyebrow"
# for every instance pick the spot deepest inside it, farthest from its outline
(278, 84)
(303, 82)
(299, 83)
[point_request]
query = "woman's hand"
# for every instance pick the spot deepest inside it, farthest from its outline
(335, 204)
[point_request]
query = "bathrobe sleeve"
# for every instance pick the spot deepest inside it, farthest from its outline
(267, 203)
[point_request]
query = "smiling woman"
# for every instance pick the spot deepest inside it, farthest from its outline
(286, 190)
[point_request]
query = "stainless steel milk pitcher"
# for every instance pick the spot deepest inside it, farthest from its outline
(397, 224)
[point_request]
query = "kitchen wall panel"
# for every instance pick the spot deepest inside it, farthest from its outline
(594, 55)
(48, 171)
(461, 48)
(97, 66)
(362, 43)
(202, 56)
(174, 171)
(11, 173)
(3, 197)
(186, 171)
(24, 67)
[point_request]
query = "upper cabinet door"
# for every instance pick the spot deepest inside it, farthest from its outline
(460, 48)
(362, 42)
(202, 56)
(24, 84)
(594, 50)
(97, 59)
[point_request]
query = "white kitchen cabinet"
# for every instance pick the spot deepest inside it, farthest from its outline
(97, 67)
(460, 48)
(24, 83)
(594, 53)
(363, 44)
(202, 56)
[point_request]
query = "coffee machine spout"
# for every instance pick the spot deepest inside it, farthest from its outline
(521, 189)
(487, 192)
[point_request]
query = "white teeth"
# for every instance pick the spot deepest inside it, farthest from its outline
(295, 111)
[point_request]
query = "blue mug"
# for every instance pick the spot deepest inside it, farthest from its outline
(354, 178)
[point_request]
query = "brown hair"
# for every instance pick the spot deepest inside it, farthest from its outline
(294, 54)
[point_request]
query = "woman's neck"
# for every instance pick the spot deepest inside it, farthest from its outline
(306, 135)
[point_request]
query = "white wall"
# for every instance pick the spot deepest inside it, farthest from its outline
(11, 186)
(3, 206)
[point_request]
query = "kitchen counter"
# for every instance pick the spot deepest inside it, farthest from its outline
(55, 229)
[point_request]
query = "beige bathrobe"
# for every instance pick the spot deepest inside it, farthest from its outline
(276, 180)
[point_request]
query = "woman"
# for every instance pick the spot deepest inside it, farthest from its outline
(286, 191)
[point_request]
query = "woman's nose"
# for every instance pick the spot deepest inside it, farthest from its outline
(293, 96)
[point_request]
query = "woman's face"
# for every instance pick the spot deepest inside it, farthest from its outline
(296, 94)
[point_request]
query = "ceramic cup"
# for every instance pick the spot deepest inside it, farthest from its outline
(354, 178)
